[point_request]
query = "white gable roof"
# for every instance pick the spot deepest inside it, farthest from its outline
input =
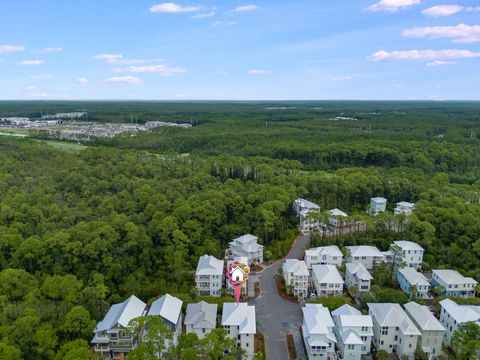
(168, 307)
(406, 245)
(209, 265)
(364, 250)
(453, 277)
(306, 204)
(423, 317)
(327, 274)
(297, 267)
(413, 276)
(379, 199)
(331, 250)
(317, 319)
(461, 313)
(201, 315)
(356, 320)
(241, 315)
(346, 310)
(122, 313)
(405, 204)
(359, 270)
(392, 315)
(337, 212)
(246, 238)
(350, 337)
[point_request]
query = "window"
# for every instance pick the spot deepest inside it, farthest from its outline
(351, 347)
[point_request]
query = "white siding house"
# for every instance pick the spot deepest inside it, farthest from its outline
(413, 283)
(247, 245)
(240, 324)
(303, 208)
(324, 255)
(357, 275)
(432, 330)
(354, 332)
(453, 315)
(337, 217)
(404, 207)
(317, 330)
(327, 280)
(296, 275)
(412, 253)
(377, 205)
(369, 256)
(453, 283)
(169, 308)
(201, 318)
(112, 338)
(209, 276)
(393, 331)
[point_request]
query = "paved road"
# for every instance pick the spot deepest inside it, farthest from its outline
(275, 315)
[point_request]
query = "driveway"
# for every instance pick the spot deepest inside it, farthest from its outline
(275, 315)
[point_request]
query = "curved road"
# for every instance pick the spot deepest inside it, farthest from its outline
(275, 315)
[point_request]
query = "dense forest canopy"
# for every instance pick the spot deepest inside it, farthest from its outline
(80, 230)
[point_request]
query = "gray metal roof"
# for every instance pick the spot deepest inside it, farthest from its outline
(201, 315)
(168, 307)
(122, 313)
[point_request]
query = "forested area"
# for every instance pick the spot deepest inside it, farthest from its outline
(80, 230)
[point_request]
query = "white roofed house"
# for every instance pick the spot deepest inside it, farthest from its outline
(357, 275)
(112, 337)
(240, 323)
(247, 245)
(296, 276)
(404, 207)
(453, 283)
(452, 315)
(209, 276)
(318, 334)
(413, 283)
(169, 308)
(327, 280)
(304, 208)
(354, 332)
(393, 331)
(201, 318)
(324, 255)
(377, 205)
(369, 256)
(337, 217)
(432, 330)
(411, 254)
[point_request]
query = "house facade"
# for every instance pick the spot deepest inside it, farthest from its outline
(432, 330)
(209, 276)
(404, 207)
(369, 256)
(327, 280)
(318, 334)
(337, 217)
(324, 255)
(201, 318)
(357, 275)
(169, 308)
(353, 331)
(452, 315)
(411, 254)
(393, 331)
(378, 205)
(304, 208)
(296, 276)
(453, 283)
(240, 323)
(247, 246)
(413, 283)
(112, 338)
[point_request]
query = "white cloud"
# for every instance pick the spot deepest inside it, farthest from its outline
(314, 72)
(174, 8)
(448, 10)
(161, 70)
(41, 77)
(119, 59)
(48, 50)
(82, 81)
(392, 5)
(204, 15)
(8, 49)
(122, 80)
(423, 54)
(460, 33)
(245, 8)
(341, 78)
(257, 72)
(32, 62)
(223, 23)
(440, 63)
(38, 95)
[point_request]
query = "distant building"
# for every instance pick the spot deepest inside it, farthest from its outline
(432, 330)
(337, 217)
(327, 280)
(354, 332)
(324, 255)
(169, 308)
(296, 275)
(369, 256)
(209, 276)
(240, 323)
(247, 245)
(304, 208)
(453, 283)
(112, 338)
(413, 283)
(357, 275)
(404, 207)
(412, 253)
(318, 334)
(201, 318)
(453, 315)
(378, 205)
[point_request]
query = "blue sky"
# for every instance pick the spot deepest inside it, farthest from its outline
(270, 49)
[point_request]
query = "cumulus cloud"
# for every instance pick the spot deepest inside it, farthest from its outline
(123, 80)
(423, 54)
(257, 72)
(245, 8)
(392, 5)
(48, 50)
(8, 49)
(460, 33)
(174, 8)
(448, 10)
(341, 78)
(32, 62)
(204, 15)
(161, 70)
(440, 63)
(82, 81)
